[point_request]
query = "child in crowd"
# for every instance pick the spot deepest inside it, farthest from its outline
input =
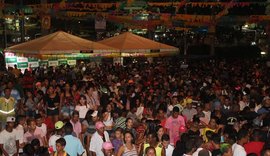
(60, 146)
(118, 140)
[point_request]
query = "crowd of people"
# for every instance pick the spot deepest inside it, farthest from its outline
(165, 108)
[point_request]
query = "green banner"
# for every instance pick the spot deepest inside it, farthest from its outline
(23, 65)
(33, 60)
(60, 62)
(43, 63)
(11, 60)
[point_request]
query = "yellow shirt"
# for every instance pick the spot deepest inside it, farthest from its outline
(65, 154)
(158, 149)
(6, 108)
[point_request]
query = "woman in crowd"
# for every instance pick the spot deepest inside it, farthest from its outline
(52, 102)
(67, 101)
(128, 149)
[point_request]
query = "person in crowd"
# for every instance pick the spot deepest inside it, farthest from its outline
(82, 107)
(129, 127)
(256, 144)
(28, 150)
(30, 104)
(58, 134)
(150, 151)
(98, 138)
(160, 132)
(67, 101)
(40, 123)
(213, 127)
(226, 149)
(173, 124)
(108, 118)
(189, 111)
(107, 149)
(91, 100)
(199, 145)
(21, 127)
(152, 140)
(60, 148)
(34, 133)
(14, 92)
(88, 128)
(207, 112)
(238, 147)
(118, 140)
(77, 126)
(128, 148)
(7, 107)
(161, 117)
(166, 145)
(47, 121)
(9, 141)
(226, 106)
(244, 102)
(52, 102)
(39, 150)
(119, 119)
(189, 147)
(73, 144)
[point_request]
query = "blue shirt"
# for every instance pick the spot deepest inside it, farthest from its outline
(73, 146)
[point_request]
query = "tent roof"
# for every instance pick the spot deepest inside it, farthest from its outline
(133, 43)
(59, 43)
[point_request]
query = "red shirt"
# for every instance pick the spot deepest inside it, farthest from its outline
(254, 147)
(49, 123)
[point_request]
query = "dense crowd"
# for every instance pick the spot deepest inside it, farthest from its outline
(166, 108)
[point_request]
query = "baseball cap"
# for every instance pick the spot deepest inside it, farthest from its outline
(10, 119)
(95, 113)
(107, 145)
(99, 125)
(58, 125)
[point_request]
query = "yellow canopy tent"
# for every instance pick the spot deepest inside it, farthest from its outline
(59, 43)
(133, 45)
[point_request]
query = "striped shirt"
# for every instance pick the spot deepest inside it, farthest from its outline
(120, 122)
(132, 152)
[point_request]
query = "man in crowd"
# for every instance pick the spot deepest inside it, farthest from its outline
(73, 144)
(9, 141)
(98, 138)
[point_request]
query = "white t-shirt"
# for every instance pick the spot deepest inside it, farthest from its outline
(96, 143)
(82, 111)
(52, 141)
(238, 150)
(43, 127)
(8, 139)
(169, 150)
(109, 121)
(20, 132)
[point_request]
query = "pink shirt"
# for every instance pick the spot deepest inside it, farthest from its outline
(77, 128)
(38, 134)
(173, 125)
